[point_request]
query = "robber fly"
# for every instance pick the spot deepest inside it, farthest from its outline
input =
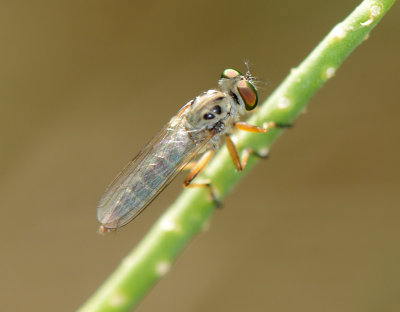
(199, 127)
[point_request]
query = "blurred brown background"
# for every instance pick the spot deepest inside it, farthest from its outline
(85, 84)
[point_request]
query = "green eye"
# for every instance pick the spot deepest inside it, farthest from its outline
(230, 73)
(248, 93)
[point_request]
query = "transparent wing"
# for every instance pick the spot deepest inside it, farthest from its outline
(148, 173)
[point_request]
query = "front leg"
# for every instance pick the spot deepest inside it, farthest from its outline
(240, 162)
(256, 129)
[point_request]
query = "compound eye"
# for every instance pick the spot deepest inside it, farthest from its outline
(248, 93)
(230, 73)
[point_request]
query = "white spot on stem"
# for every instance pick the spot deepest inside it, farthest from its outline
(330, 72)
(263, 152)
(283, 102)
(374, 11)
(117, 300)
(162, 267)
(339, 32)
(168, 224)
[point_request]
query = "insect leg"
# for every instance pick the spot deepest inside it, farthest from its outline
(190, 165)
(266, 126)
(208, 185)
(196, 170)
(234, 153)
(198, 167)
(249, 151)
(240, 163)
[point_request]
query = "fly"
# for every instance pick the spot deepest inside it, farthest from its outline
(199, 127)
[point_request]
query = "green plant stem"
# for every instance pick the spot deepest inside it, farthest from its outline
(152, 258)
